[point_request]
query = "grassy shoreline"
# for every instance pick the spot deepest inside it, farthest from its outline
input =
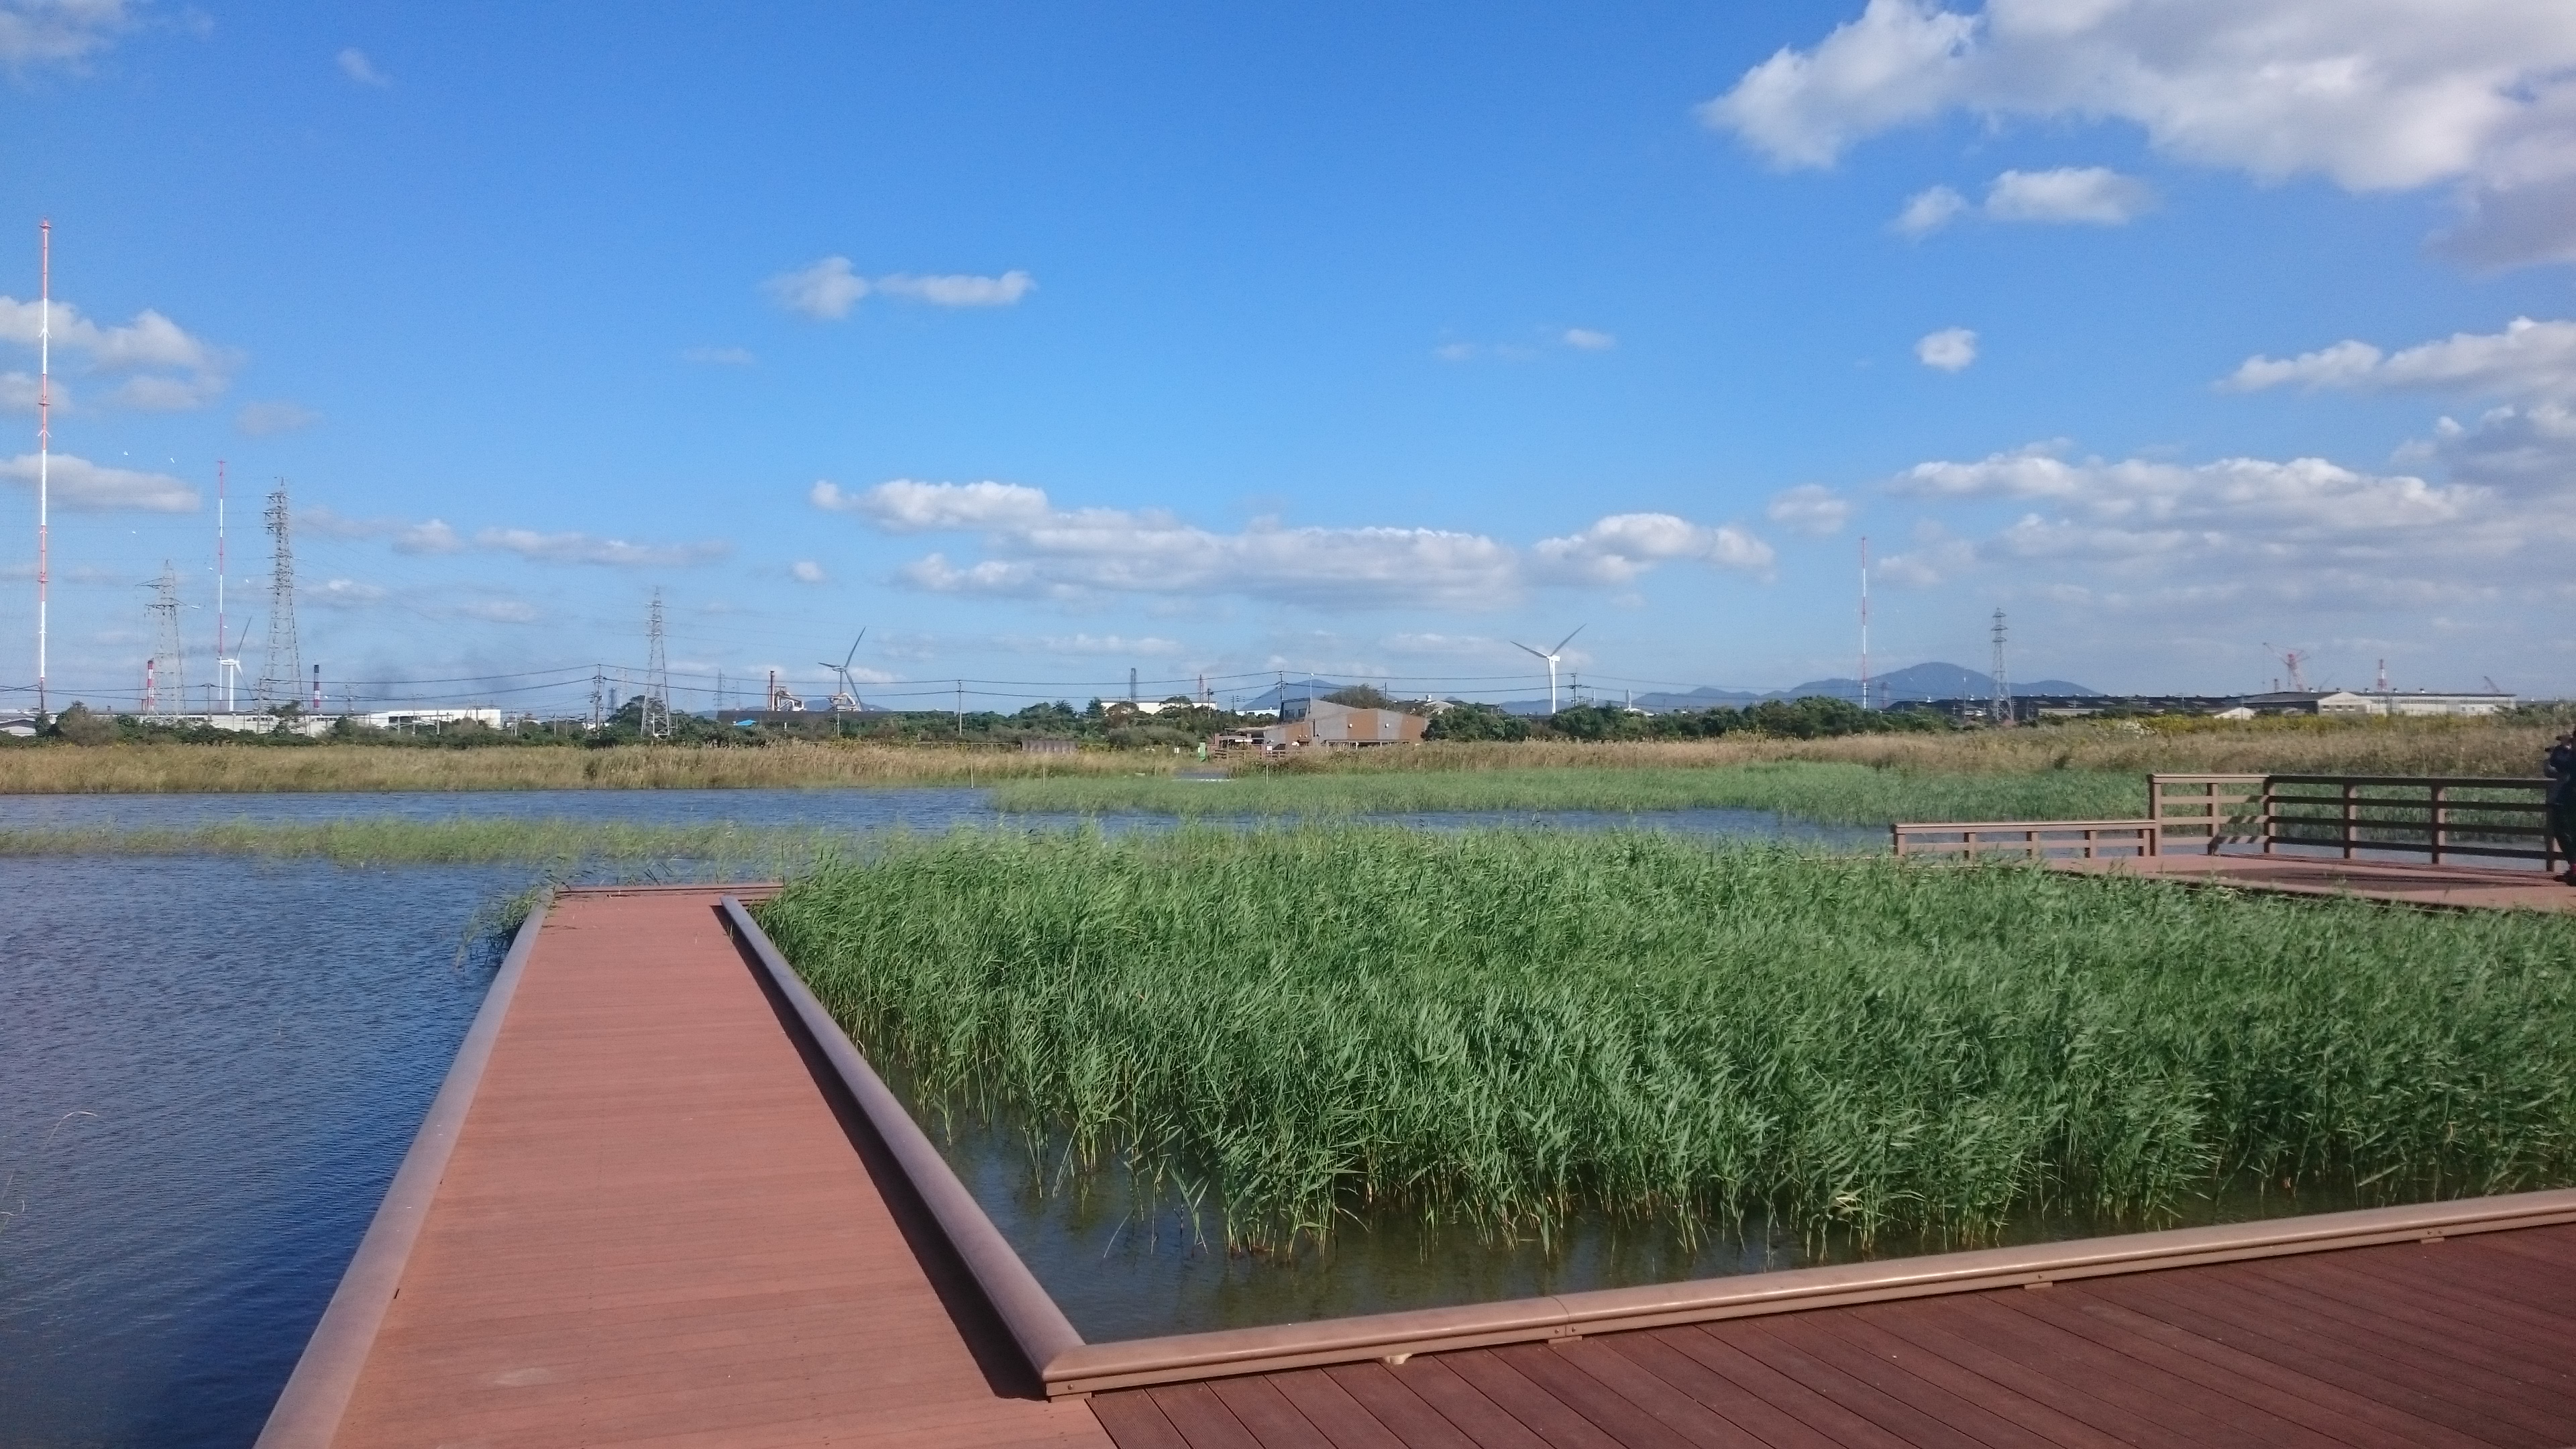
(1506, 1028)
(552, 843)
(2398, 747)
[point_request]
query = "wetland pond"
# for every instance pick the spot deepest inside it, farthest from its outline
(210, 1068)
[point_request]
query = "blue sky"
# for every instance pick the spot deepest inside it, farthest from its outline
(1053, 341)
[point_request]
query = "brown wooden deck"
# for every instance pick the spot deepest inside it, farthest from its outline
(655, 1229)
(2466, 1342)
(2457, 887)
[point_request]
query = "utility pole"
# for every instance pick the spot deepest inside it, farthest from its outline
(961, 701)
(1864, 621)
(44, 436)
(598, 690)
(2003, 706)
(656, 717)
(284, 671)
(168, 673)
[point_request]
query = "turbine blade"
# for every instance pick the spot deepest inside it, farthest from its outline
(1568, 639)
(1525, 649)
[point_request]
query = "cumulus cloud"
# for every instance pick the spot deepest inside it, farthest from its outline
(58, 32)
(1809, 508)
(167, 369)
(1040, 550)
(497, 611)
(2086, 195)
(806, 571)
(355, 65)
(344, 594)
(583, 548)
(1142, 646)
(2376, 95)
(2527, 359)
(827, 289)
(267, 419)
(86, 487)
(1951, 349)
(1928, 211)
(1584, 339)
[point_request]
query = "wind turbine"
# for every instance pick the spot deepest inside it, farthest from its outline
(1551, 656)
(230, 664)
(848, 698)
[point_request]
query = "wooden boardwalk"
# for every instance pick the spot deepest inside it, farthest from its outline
(648, 1212)
(2460, 1343)
(656, 1228)
(2454, 887)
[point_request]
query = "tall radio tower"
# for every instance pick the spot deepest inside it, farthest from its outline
(167, 676)
(281, 680)
(44, 431)
(1864, 621)
(2003, 707)
(656, 718)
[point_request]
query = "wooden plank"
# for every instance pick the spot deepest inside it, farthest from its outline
(1694, 1421)
(1393, 1403)
(656, 1227)
(1926, 1331)
(2325, 1414)
(1892, 1375)
(1829, 1419)
(1134, 1421)
(2047, 1424)
(1539, 1411)
(1479, 1418)
(1786, 1356)
(1654, 1352)
(2421, 1315)
(2230, 1360)
(1267, 1416)
(2419, 1357)
(1202, 1418)
(1334, 1413)
(1612, 1412)
(2457, 1281)
(2366, 1375)
(2139, 1387)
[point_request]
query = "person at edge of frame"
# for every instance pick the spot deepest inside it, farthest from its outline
(2560, 766)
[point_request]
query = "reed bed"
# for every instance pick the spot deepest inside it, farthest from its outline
(1837, 793)
(552, 843)
(1303, 1027)
(215, 769)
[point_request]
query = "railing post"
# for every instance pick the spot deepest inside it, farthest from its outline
(2348, 796)
(2441, 822)
(2271, 825)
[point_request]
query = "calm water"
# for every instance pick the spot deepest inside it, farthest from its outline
(209, 1069)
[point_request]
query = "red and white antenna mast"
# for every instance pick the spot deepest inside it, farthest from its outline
(44, 433)
(224, 665)
(1864, 621)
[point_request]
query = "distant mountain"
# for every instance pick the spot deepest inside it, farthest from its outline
(1307, 688)
(1897, 686)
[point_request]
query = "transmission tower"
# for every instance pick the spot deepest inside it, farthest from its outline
(281, 680)
(2003, 706)
(168, 676)
(656, 718)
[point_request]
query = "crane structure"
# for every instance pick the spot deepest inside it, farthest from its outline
(2294, 661)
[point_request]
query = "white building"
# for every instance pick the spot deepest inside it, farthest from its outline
(405, 719)
(2411, 703)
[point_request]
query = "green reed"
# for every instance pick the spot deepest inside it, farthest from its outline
(1849, 794)
(1507, 1028)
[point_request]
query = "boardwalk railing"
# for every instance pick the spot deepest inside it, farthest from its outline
(2028, 839)
(2445, 818)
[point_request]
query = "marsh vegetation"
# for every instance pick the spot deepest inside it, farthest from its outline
(1307, 1028)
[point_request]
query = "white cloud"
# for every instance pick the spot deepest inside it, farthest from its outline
(1809, 508)
(2527, 359)
(2375, 94)
(2090, 195)
(355, 65)
(829, 288)
(825, 290)
(58, 32)
(1620, 548)
(719, 356)
(1146, 646)
(1584, 339)
(200, 370)
(960, 291)
(86, 487)
(583, 548)
(806, 571)
(267, 419)
(1045, 551)
(18, 392)
(432, 537)
(1950, 349)
(1455, 352)
(497, 611)
(344, 594)
(1928, 211)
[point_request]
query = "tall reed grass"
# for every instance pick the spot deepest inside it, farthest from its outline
(1508, 1028)
(1849, 794)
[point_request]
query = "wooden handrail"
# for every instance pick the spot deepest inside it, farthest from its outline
(2031, 839)
(2430, 815)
